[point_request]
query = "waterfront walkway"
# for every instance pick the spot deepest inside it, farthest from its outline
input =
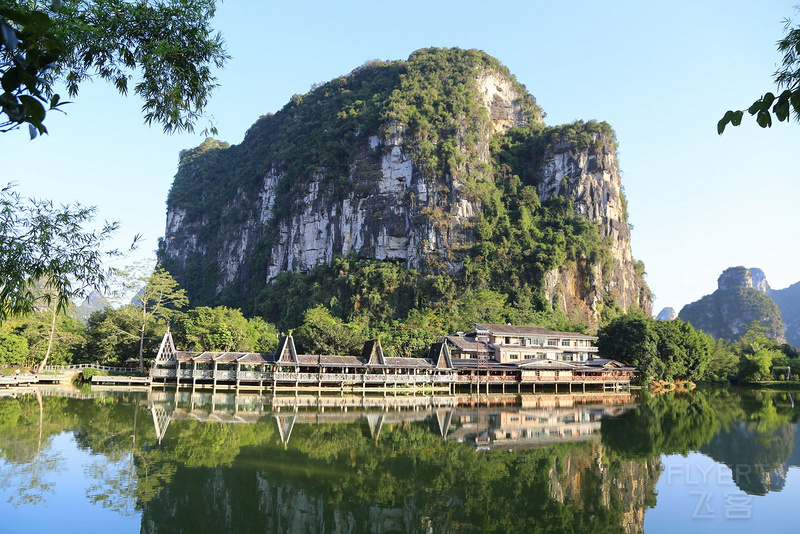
(373, 371)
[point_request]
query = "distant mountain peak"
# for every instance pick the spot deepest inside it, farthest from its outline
(667, 314)
(741, 299)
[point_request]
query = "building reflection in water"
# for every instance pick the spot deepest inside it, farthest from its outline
(487, 422)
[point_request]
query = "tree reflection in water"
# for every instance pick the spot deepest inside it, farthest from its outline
(248, 463)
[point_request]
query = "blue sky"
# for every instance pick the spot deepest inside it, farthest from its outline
(662, 74)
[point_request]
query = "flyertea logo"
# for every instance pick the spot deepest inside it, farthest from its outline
(725, 500)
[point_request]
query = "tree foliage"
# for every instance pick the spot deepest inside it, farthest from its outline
(48, 245)
(159, 301)
(224, 329)
(29, 47)
(113, 335)
(663, 350)
(13, 347)
(321, 333)
(670, 350)
(787, 102)
(758, 355)
(168, 43)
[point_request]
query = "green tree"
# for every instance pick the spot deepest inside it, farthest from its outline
(632, 339)
(46, 254)
(158, 300)
(113, 334)
(684, 350)
(56, 338)
(13, 347)
(757, 366)
(414, 335)
(787, 77)
(724, 362)
(322, 333)
(169, 44)
(758, 355)
(478, 306)
(665, 350)
(261, 336)
(204, 328)
(224, 329)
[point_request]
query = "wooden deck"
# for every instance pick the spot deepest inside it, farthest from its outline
(7, 381)
(121, 380)
(356, 382)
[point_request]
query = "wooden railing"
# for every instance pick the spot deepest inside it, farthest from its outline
(357, 378)
(301, 378)
(81, 366)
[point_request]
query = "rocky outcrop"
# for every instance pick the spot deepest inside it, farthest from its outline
(667, 314)
(736, 305)
(735, 277)
(387, 202)
(392, 214)
(759, 280)
(590, 176)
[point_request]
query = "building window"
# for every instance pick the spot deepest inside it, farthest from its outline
(552, 342)
(565, 342)
(513, 356)
(508, 341)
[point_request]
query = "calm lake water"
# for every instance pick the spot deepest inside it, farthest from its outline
(161, 461)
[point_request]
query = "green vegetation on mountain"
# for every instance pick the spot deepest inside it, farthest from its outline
(365, 298)
(433, 99)
(728, 312)
(432, 94)
(788, 301)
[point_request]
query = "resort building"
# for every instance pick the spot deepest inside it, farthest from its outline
(510, 344)
(488, 357)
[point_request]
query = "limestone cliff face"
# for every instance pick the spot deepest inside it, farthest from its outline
(590, 176)
(390, 214)
(394, 210)
(387, 203)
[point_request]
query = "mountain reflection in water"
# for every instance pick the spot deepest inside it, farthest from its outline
(209, 461)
